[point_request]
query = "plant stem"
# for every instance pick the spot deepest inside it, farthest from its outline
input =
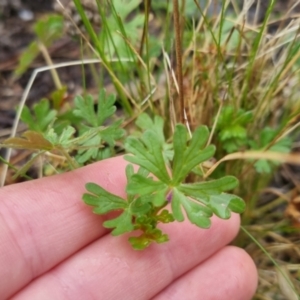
(179, 58)
(49, 62)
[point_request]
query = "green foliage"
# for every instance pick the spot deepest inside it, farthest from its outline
(232, 128)
(147, 197)
(119, 27)
(86, 133)
(47, 31)
(144, 122)
(41, 117)
(266, 141)
(93, 126)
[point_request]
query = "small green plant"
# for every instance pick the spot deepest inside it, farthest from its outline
(232, 130)
(267, 139)
(47, 30)
(147, 198)
(81, 135)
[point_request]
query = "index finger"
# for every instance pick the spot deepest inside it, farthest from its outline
(44, 221)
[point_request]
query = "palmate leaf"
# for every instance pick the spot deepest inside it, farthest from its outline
(92, 145)
(265, 138)
(94, 134)
(145, 122)
(157, 125)
(223, 204)
(201, 200)
(102, 200)
(197, 213)
(203, 190)
(186, 157)
(85, 108)
(41, 117)
(148, 154)
(64, 139)
(112, 133)
(142, 185)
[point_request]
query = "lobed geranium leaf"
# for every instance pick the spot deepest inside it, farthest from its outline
(202, 190)
(85, 108)
(102, 200)
(142, 185)
(157, 125)
(186, 157)
(106, 107)
(223, 204)
(112, 133)
(197, 213)
(148, 154)
(41, 118)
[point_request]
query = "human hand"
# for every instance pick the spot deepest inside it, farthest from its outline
(53, 247)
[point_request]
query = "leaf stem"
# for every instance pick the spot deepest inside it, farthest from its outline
(178, 51)
(70, 160)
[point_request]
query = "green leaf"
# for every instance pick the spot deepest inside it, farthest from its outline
(177, 199)
(121, 224)
(112, 133)
(58, 96)
(85, 108)
(147, 154)
(106, 106)
(43, 116)
(145, 122)
(143, 241)
(188, 157)
(141, 206)
(102, 200)
(129, 171)
(197, 213)
(92, 145)
(157, 125)
(27, 57)
(202, 190)
(223, 204)
(233, 131)
(64, 139)
(159, 198)
(265, 138)
(49, 28)
(232, 128)
(142, 186)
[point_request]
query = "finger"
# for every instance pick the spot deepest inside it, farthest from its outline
(110, 269)
(230, 274)
(42, 222)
